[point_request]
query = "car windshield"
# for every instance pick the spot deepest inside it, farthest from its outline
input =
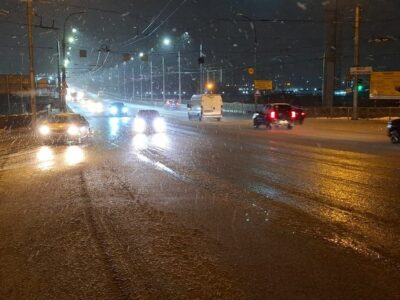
(65, 119)
(118, 104)
(148, 114)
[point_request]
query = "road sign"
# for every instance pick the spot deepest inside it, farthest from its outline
(43, 83)
(361, 70)
(263, 84)
(251, 71)
(385, 85)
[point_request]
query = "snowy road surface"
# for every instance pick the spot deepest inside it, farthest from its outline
(207, 210)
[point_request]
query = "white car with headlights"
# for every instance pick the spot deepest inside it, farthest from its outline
(149, 121)
(64, 127)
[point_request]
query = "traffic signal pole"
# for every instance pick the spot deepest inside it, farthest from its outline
(356, 60)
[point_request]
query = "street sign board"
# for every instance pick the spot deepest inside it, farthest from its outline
(13, 83)
(385, 85)
(263, 84)
(361, 70)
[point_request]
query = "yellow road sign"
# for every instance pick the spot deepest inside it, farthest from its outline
(263, 84)
(385, 85)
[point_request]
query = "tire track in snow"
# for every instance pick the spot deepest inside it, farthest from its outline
(99, 233)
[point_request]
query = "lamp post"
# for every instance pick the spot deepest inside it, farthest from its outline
(253, 26)
(63, 71)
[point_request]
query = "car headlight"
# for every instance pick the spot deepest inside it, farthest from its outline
(139, 125)
(73, 130)
(44, 130)
(114, 110)
(99, 107)
(83, 129)
(124, 110)
(159, 125)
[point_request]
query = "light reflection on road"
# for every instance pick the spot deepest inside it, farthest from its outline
(47, 159)
(143, 141)
(116, 123)
(74, 155)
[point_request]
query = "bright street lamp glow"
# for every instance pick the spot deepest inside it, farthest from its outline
(167, 42)
(141, 54)
(66, 62)
(74, 30)
(71, 39)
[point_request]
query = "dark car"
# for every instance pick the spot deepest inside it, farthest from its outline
(148, 120)
(118, 109)
(394, 131)
(300, 115)
(275, 115)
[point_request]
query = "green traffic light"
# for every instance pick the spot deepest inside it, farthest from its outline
(360, 88)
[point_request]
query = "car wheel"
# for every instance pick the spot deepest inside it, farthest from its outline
(394, 138)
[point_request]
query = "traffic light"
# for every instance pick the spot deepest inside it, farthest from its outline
(360, 85)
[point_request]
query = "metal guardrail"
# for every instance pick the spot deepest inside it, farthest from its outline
(18, 121)
(311, 112)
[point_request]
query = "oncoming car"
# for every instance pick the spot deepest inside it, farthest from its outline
(64, 127)
(118, 109)
(148, 121)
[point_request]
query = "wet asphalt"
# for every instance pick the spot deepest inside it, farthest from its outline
(205, 210)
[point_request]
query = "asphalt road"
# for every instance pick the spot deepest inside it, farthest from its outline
(207, 210)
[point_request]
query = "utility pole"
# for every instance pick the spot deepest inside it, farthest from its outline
(133, 82)
(179, 77)
(29, 12)
(201, 70)
(58, 72)
(125, 80)
(356, 60)
(328, 85)
(163, 78)
(151, 80)
(141, 81)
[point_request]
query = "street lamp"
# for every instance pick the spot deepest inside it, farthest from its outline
(74, 30)
(63, 71)
(167, 41)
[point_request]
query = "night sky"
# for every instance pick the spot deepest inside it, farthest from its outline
(290, 48)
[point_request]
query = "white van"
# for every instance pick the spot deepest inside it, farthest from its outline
(205, 106)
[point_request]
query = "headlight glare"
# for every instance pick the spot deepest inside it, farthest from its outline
(73, 130)
(44, 130)
(159, 125)
(139, 125)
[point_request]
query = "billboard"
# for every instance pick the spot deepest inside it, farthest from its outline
(14, 83)
(385, 85)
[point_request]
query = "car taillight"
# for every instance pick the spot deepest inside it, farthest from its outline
(293, 114)
(303, 113)
(272, 115)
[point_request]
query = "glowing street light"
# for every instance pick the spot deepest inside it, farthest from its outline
(74, 30)
(167, 41)
(141, 54)
(71, 39)
(210, 86)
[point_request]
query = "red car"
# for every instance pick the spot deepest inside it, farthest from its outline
(172, 104)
